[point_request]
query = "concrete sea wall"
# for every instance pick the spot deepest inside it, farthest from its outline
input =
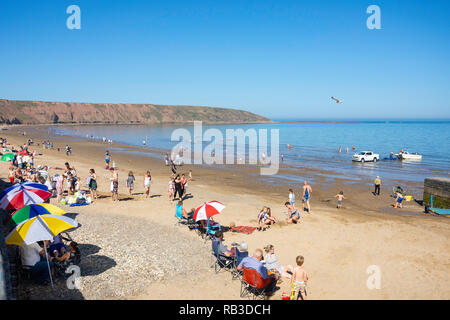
(439, 188)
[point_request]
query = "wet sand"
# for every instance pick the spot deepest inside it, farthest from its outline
(409, 247)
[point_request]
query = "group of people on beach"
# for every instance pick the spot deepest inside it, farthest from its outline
(264, 263)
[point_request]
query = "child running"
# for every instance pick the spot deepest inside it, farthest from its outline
(299, 279)
(340, 197)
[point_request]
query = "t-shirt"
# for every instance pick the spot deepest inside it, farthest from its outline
(222, 249)
(377, 181)
(30, 254)
(252, 263)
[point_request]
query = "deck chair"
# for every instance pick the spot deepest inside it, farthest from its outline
(253, 286)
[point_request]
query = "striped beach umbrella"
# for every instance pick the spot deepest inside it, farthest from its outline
(207, 210)
(31, 211)
(7, 156)
(22, 194)
(40, 228)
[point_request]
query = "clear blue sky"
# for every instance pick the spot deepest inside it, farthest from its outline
(281, 59)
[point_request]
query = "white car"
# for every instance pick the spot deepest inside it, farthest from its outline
(365, 156)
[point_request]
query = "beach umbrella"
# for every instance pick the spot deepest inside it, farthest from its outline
(31, 211)
(22, 194)
(7, 157)
(23, 152)
(40, 228)
(207, 210)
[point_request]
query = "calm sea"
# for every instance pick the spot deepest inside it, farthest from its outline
(315, 145)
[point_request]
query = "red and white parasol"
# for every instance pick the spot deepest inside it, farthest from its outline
(207, 210)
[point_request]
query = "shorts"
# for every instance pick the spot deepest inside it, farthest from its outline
(340, 202)
(306, 199)
(295, 214)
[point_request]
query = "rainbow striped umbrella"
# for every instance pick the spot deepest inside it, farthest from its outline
(22, 194)
(40, 228)
(31, 211)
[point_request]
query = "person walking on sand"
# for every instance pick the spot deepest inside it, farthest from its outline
(147, 183)
(340, 197)
(299, 279)
(59, 187)
(114, 184)
(307, 190)
(178, 188)
(107, 159)
(291, 197)
(171, 189)
(377, 183)
(93, 183)
(130, 182)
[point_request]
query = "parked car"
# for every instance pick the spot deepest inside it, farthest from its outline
(365, 156)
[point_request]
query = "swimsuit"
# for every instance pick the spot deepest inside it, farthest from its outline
(307, 196)
(147, 182)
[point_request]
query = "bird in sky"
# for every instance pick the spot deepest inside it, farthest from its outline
(337, 100)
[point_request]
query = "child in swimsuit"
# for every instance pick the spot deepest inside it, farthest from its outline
(340, 197)
(299, 279)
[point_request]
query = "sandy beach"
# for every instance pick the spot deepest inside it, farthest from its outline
(134, 251)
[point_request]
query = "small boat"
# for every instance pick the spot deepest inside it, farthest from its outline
(405, 155)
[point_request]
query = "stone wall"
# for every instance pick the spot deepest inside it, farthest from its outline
(440, 189)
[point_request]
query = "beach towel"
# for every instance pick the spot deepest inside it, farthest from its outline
(78, 204)
(243, 229)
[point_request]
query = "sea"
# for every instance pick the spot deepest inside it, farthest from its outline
(312, 145)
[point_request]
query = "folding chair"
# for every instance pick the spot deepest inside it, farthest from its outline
(253, 286)
(222, 263)
(211, 228)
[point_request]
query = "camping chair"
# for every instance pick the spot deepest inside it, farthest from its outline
(253, 286)
(222, 263)
(211, 228)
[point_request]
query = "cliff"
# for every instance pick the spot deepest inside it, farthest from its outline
(38, 112)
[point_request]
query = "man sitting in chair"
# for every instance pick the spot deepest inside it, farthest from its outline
(221, 249)
(255, 263)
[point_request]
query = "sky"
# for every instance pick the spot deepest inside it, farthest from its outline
(281, 59)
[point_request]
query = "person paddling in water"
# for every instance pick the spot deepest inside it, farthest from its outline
(307, 190)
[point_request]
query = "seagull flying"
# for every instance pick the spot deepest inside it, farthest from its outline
(337, 100)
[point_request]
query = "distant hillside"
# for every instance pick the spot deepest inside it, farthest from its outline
(38, 112)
